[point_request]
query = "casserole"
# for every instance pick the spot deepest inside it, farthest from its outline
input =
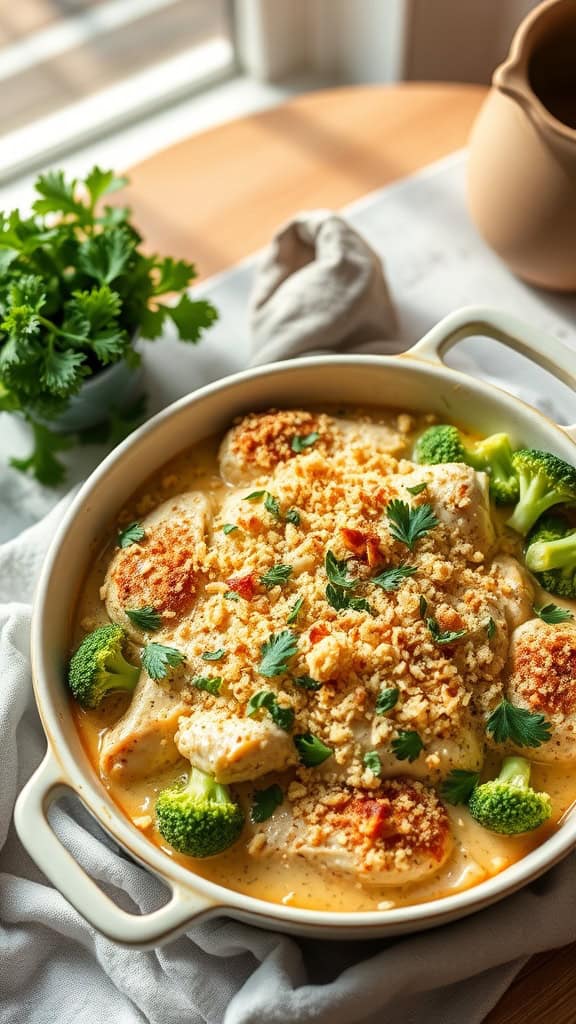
(417, 380)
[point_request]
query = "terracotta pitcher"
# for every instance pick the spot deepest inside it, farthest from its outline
(522, 164)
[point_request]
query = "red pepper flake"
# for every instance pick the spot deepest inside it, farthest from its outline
(244, 585)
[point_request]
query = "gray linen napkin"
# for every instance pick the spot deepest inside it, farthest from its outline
(320, 288)
(54, 969)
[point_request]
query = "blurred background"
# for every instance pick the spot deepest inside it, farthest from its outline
(136, 75)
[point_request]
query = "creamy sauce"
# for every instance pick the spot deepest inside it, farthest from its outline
(478, 854)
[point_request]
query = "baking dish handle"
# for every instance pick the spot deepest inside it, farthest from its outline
(540, 348)
(138, 930)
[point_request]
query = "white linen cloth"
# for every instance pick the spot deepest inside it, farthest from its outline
(54, 968)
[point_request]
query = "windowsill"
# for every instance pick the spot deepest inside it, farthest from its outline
(234, 98)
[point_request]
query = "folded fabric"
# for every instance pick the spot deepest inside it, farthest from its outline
(320, 288)
(54, 969)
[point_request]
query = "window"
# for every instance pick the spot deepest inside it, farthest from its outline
(73, 69)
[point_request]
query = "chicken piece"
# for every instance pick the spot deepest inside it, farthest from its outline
(261, 441)
(398, 835)
(543, 679)
(141, 743)
(516, 590)
(234, 749)
(162, 570)
(464, 750)
(460, 499)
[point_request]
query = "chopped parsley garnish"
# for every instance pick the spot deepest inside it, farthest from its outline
(214, 655)
(490, 628)
(337, 572)
(339, 599)
(524, 728)
(211, 684)
(145, 618)
(229, 528)
(458, 787)
(276, 576)
(265, 803)
(231, 595)
(553, 614)
(254, 496)
(272, 505)
(373, 763)
(276, 653)
(281, 716)
(390, 579)
(306, 682)
(131, 534)
(311, 750)
(295, 611)
(408, 524)
(417, 489)
(423, 605)
(293, 516)
(444, 636)
(300, 442)
(387, 699)
(407, 746)
(157, 659)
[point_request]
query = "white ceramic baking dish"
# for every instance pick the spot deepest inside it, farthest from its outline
(416, 380)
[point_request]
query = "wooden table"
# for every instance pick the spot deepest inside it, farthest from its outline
(220, 195)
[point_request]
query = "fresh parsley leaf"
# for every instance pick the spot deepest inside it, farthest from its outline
(192, 317)
(337, 572)
(265, 803)
(283, 717)
(231, 595)
(211, 684)
(300, 442)
(306, 683)
(42, 462)
(229, 528)
(58, 196)
(100, 183)
(276, 576)
(340, 600)
(104, 257)
(131, 534)
(407, 746)
(520, 726)
(444, 636)
(417, 489)
(387, 699)
(157, 659)
(62, 372)
(423, 606)
(458, 787)
(214, 655)
(295, 611)
(293, 516)
(373, 763)
(276, 653)
(553, 614)
(408, 524)
(390, 579)
(145, 618)
(311, 750)
(172, 275)
(272, 505)
(490, 628)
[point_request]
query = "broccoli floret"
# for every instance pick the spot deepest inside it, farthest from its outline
(199, 818)
(98, 667)
(493, 455)
(508, 804)
(551, 555)
(545, 480)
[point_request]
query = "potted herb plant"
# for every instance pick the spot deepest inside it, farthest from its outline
(76, 292)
